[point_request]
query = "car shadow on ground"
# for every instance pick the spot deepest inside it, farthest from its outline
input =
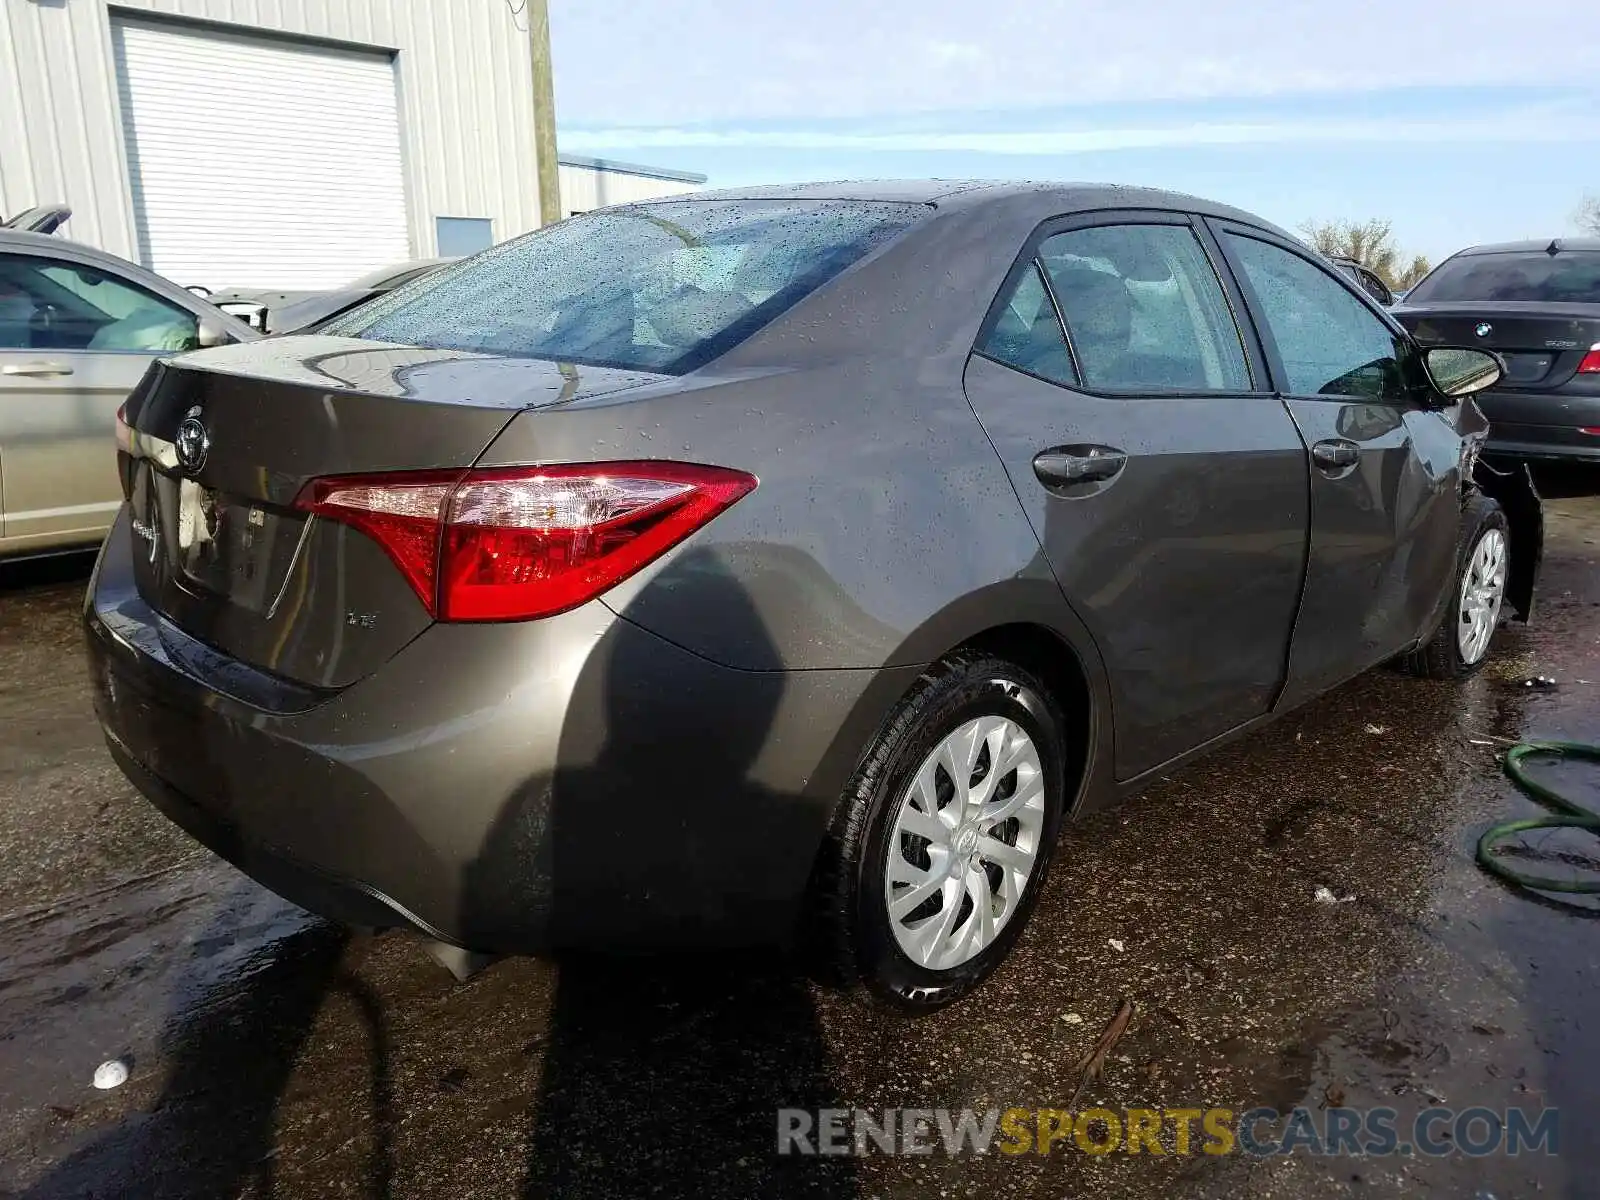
(45, 571)
(655, 1074)
(664, 1073)
(666, 1078)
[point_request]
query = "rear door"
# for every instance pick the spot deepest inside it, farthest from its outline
(1384, 469)
(74, 341)
(1166, 483)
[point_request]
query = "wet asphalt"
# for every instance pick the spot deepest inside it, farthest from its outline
(273, 1054)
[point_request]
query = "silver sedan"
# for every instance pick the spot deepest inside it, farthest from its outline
(78, 328)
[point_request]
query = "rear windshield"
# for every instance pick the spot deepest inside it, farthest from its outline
(656, 287)
(1572, 277)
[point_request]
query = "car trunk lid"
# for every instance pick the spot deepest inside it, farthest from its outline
(223, 442)
(44, 218)
(1542, 343)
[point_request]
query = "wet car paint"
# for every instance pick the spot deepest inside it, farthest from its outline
(885, 531)
(276, 1055)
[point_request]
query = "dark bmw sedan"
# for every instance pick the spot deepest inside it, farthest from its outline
(1537, 304)
(779, 565)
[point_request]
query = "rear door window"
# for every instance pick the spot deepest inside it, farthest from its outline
(1330, 344)
(1025, 331)
(1144, 310)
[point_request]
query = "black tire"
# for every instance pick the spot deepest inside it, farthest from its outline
(1440, 656)
(851, 934)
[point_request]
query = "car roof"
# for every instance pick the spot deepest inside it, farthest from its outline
(49, 243)
(1051, 197)
(1536, 245)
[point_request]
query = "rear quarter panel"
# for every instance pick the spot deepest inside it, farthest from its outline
(880, 505)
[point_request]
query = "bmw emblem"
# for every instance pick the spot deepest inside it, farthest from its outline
(193, 442)
(1484, 329)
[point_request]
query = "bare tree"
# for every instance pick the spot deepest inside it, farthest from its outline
(1587, 217)
(1411, 275)
(1370, 243)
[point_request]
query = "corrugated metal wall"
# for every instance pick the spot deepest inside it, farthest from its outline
(584, 188)
(462, 67)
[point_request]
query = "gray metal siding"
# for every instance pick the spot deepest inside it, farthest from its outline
(584, 188)
(465, 102)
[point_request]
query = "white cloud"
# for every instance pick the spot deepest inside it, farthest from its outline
(707, 60)
(1546, 123)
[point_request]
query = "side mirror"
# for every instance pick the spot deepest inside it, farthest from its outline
(1458, 371)
(211, 333)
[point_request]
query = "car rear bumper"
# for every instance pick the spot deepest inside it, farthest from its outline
(1542, 425)
(1540, 443)
(575, 781)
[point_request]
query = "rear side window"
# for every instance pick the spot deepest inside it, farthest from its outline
(1330, 343)
(1026, 332)
(1144, 310)
(1570, 277)
(656, 287)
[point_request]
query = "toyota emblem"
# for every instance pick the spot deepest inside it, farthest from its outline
(1484, 329)
(193, 442)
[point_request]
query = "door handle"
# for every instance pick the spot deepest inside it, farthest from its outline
(1078, 464)
(1335, 454)
(36, 369)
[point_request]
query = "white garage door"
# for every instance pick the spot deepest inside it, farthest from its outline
(257, 162)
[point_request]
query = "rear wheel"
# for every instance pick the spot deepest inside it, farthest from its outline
(944, 837)
(1461, 643)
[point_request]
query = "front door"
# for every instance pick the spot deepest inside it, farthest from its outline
(74, 341)
(1385, 506)
(1166, 483)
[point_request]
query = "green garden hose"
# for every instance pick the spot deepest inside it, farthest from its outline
(1569, 815)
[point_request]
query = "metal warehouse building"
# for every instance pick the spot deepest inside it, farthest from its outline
(291, 144)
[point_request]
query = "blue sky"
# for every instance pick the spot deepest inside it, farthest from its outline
(1461, 121)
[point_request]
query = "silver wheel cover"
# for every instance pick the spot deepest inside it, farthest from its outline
(964, 843)
(1482, 591)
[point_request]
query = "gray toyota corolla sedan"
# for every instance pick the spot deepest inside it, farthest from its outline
(781, 562)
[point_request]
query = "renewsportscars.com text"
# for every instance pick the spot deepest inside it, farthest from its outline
(1259, 1132)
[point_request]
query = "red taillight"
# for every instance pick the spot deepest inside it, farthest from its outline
(1591, 361)
(512, 543)
(400, 512)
